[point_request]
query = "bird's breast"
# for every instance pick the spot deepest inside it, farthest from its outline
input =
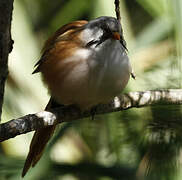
(89, 76)
(109, 70)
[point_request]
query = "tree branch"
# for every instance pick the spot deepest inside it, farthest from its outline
(6, 8)
(117, 10)
(42, 119)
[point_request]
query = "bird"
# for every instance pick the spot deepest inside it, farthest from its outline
(84, 63)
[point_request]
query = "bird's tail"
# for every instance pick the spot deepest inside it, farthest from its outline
(38, 144)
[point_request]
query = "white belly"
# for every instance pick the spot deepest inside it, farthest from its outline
(90, 76)
(99, 79)
(109, 71)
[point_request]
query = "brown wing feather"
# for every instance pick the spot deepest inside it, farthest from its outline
(61, 33)
(58, 43)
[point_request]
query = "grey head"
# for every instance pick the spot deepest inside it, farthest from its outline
(102, 28)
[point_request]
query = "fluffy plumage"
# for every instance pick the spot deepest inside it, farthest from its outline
(83, 63)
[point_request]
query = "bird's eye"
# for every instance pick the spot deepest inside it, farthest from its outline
(92, 42)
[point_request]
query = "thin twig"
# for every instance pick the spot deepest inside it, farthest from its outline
(117, 10)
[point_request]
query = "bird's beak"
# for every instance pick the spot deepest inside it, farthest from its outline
(116, 35)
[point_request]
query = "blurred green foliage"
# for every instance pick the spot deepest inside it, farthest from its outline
(145, 142)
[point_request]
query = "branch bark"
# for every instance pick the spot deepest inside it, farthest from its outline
(117, 10)
(43, 119)
(6, 8)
